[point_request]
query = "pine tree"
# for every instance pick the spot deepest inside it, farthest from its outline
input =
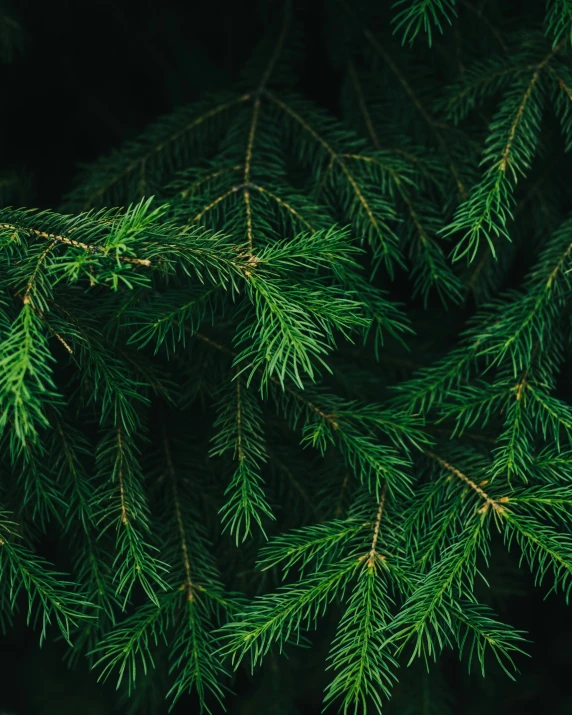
(274, 373)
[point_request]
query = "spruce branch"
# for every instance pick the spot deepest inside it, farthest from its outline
(121, 504)
(238, 430)
(259, 371)
(377, 230)
(509, 153)
(189, 588)
(494, 504)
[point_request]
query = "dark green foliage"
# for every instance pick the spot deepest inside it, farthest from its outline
(311, 377)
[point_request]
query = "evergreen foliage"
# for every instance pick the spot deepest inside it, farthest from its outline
(308, 374)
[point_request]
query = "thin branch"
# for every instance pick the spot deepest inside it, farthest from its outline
(209, 177)
(217, 201)
(469, 87)
(373, 554)
(246, 187)
(158, 148)
(533, 81)
(49, 327)
(394, 150)
(283, 204)
(239, 450)
(329, 419)
(249, 230)
(124, 513)
(26, 298)
(250, 143)
(558, 268)
(494, 504)
(423, 236)
(75, 244)
(254, 124)
(334, 156)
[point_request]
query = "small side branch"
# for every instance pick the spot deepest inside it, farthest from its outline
(335, 158)
(239, 449)
(431, 123)
(283, 204)
(216, 202)
(490, 503)
(373, 554)
(29, 288)
(124, 510)
(70, 242)
(328, 418)
(209, 177)
(247, 172)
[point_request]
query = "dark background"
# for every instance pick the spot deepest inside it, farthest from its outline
(89, 76)
(92, 74)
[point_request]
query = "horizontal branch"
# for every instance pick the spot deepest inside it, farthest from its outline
(74, 244)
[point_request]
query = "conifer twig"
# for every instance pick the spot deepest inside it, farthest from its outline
(489, 502)
(373, 553)
(75, 244)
